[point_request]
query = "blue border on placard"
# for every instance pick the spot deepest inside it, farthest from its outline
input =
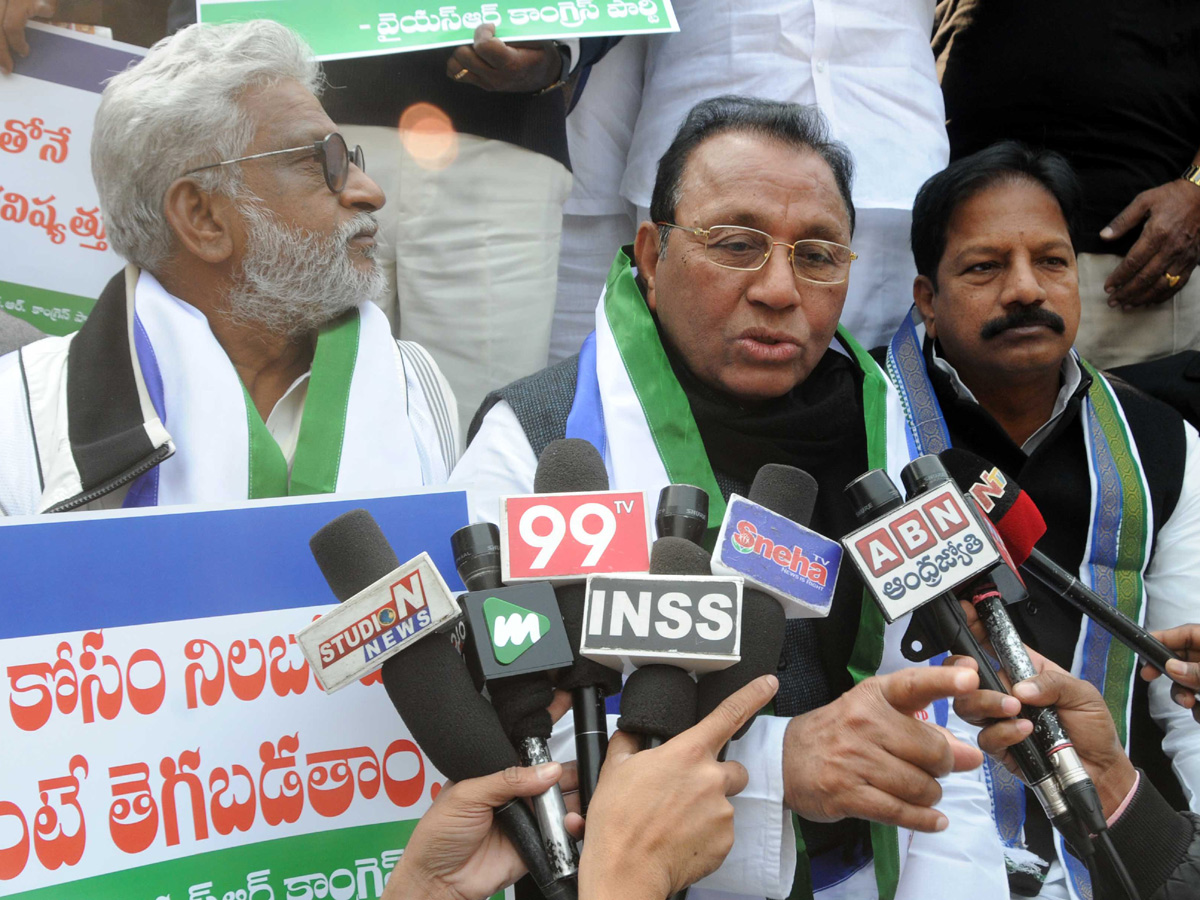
(63, 574)
(68, 61)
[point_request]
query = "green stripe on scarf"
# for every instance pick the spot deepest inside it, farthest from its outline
(322, 427)
(1132, 541)
(677, 439)
(867, 654)
(663, 401)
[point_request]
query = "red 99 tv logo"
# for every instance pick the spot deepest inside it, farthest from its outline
(571, 536)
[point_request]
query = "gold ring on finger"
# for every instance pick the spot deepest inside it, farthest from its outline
(1172, 280)
(460, 74)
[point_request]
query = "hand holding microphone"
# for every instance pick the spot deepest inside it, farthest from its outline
(1184, 641)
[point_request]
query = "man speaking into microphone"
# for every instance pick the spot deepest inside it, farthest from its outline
(985, 363)
(717, 351)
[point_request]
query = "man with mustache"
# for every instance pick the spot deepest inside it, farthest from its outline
(238, 356)
(985, 362)
(716, 351)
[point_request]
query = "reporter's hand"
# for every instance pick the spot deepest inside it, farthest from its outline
(457, 851)
(660, 819)
(13, 16)
(519, 68)
(1169, 242)
(865, 756)
(1184, 641)
(1083, 714)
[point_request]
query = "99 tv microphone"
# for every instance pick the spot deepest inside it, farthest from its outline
(432, 691)
(570, 466)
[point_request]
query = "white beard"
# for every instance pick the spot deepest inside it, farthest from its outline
(293, 281)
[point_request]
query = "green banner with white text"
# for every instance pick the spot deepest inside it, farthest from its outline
(353, 28)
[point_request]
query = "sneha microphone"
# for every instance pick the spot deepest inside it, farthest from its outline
(432, 691)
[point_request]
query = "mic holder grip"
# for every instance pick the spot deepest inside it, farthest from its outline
(591, 739)
(518, 823)
(551, 812)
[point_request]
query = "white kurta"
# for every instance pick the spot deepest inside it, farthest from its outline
(866, 63)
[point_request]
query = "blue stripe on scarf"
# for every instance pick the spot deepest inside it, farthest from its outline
(144, 490)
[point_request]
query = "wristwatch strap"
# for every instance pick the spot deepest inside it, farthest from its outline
(1192, 174)
(564, 74)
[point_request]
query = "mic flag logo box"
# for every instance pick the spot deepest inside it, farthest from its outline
(358, 636)
(690, 621)
(519, 630)
(924, 548)
(566, 537)
(795, 565)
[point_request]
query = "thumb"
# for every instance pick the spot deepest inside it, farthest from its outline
(515, 781)
(1126, 218)
(484, 33)
(1056, 688)
(621, 746)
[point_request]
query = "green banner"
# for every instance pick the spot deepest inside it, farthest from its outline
(50, 311)
(373, 27)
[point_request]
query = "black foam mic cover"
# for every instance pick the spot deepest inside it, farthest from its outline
(352, 553)
(570, 465)
(585, 672)
(786, 490)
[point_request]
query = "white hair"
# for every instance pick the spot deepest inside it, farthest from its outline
(178, 109)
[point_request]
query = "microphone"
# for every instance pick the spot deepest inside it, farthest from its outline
(403, 605)
(892, 530)
(567, 466)
(1020, 525)
(927, 473)
(576, 530)
(517, 635)
(432, 691)
(682, 512)
(765, 540)
(787, 492)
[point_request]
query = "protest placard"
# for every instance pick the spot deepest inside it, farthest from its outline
(356, 28)
(56, 256)
(164, 737)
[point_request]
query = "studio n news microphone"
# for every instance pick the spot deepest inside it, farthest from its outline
(1020, 524)
(765, 539)
(899, 550)
(782, 552)
(516, 637)
(574, 466)
(674, 621)
(432, 691)
(987, 594)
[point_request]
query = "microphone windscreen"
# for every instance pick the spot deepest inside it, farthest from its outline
(455, 727)
(570, 465)
(786, 490)
(585, 672)
(1011, 510)
(679, 556)
(352, 553)
(763, 628)
(659, 701)
(520, 702)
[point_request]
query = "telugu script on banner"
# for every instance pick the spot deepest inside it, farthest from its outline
(56, 256)
(163, 734)
(374, 27)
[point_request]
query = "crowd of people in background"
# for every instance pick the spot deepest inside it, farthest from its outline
(832, 235)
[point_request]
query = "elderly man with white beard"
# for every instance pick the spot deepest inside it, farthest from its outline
(239, 355)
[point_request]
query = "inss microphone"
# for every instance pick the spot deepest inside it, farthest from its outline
(432, 691)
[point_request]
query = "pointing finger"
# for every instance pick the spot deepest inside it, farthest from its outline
(714, 730)
(911, 690)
